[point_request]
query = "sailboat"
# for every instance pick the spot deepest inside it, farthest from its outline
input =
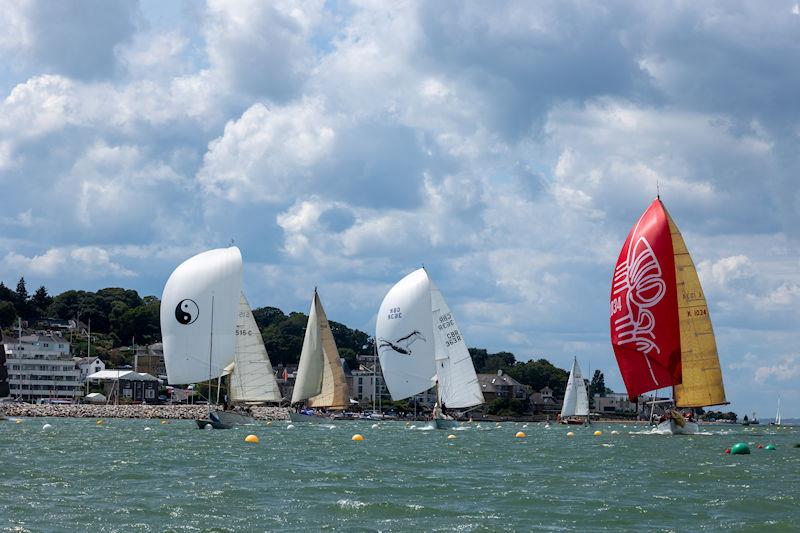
(575, 409)
(777, 421)
(420, 346)
(320, 378)
(199, 308)
(251, 379)
(660, 327)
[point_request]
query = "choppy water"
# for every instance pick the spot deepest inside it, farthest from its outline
(120, 476)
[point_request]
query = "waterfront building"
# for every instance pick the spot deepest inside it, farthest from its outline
(615, 403)
(150, 360)
(545, 402)
(127, 386)
(501, 385)
(40, 366)
(88, 365)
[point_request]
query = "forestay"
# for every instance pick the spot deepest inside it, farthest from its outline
(252, 378)
(198, 315)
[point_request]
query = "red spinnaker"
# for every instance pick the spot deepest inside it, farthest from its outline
(645, 332)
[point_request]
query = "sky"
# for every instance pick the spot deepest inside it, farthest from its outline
(507, 146)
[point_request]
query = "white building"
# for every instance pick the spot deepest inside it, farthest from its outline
(40, 366)
(88, 365)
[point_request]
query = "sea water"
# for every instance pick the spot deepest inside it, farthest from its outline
(144, 475)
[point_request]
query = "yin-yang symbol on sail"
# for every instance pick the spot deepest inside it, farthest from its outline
(186, 311)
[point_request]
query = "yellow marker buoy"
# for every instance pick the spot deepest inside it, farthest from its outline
(520, 435)
(358, 437)
(598, 433)
(99, 422)
(18, 421)
(269, 422)
(570, 434)
(251, 438)
(164, 422)
(451, 436)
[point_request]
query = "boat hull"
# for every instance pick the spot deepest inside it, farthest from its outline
(575, 421)
(444, 423)
(670, 427)
(225, 420)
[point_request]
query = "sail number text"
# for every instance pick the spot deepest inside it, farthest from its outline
(616, 305)
(446, 321)
(696, 312)
(453, 337)
(394, 313)
(244, 332)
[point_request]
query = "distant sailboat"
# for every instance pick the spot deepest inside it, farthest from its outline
(777, 421)
(420, 345)
(660, 327)
(198, 319)
(575, 409)
(320, 379)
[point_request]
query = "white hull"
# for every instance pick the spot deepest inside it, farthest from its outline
(444, 423)
(669, 427)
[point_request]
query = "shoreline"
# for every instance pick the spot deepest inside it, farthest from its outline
(165, 412)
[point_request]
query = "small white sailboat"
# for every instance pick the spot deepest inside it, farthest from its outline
(575, 409)
(660, 326)
(420, 345)
(320, 379)
(777, 421)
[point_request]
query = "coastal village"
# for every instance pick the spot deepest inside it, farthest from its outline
(46, 376)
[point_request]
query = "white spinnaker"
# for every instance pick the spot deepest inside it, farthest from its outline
(404, 334)
(252, 379)
(312, 360)
(576, 399)
(458, 383)
(208, 283)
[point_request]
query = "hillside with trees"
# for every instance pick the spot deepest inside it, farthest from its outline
(121, 317)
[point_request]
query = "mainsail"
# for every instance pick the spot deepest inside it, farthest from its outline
(576, 399)
(701, 381)
(252, 378)
(419, 342)
(320, 378)
(198, 315)
(660, 328)
(458, 383)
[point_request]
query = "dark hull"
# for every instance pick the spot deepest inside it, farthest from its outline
(225, 420)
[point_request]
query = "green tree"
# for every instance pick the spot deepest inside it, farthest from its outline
(598, 384)
(22, 291)
(6, 294)
(8, 314)
(41, 300)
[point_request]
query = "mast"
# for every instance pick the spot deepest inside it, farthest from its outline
(210, 353)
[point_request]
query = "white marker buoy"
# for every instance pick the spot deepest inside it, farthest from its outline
(290, 426)
(46, 426)
(208, 426)
(375, 426)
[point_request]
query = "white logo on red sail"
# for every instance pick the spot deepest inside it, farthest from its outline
(639, 278)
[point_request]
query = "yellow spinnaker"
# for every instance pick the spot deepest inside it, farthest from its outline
(334, 394)
(702, 377)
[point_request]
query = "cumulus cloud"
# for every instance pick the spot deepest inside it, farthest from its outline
(509, 149)
(87, 261)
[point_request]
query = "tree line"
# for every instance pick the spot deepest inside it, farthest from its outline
(119, 317)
